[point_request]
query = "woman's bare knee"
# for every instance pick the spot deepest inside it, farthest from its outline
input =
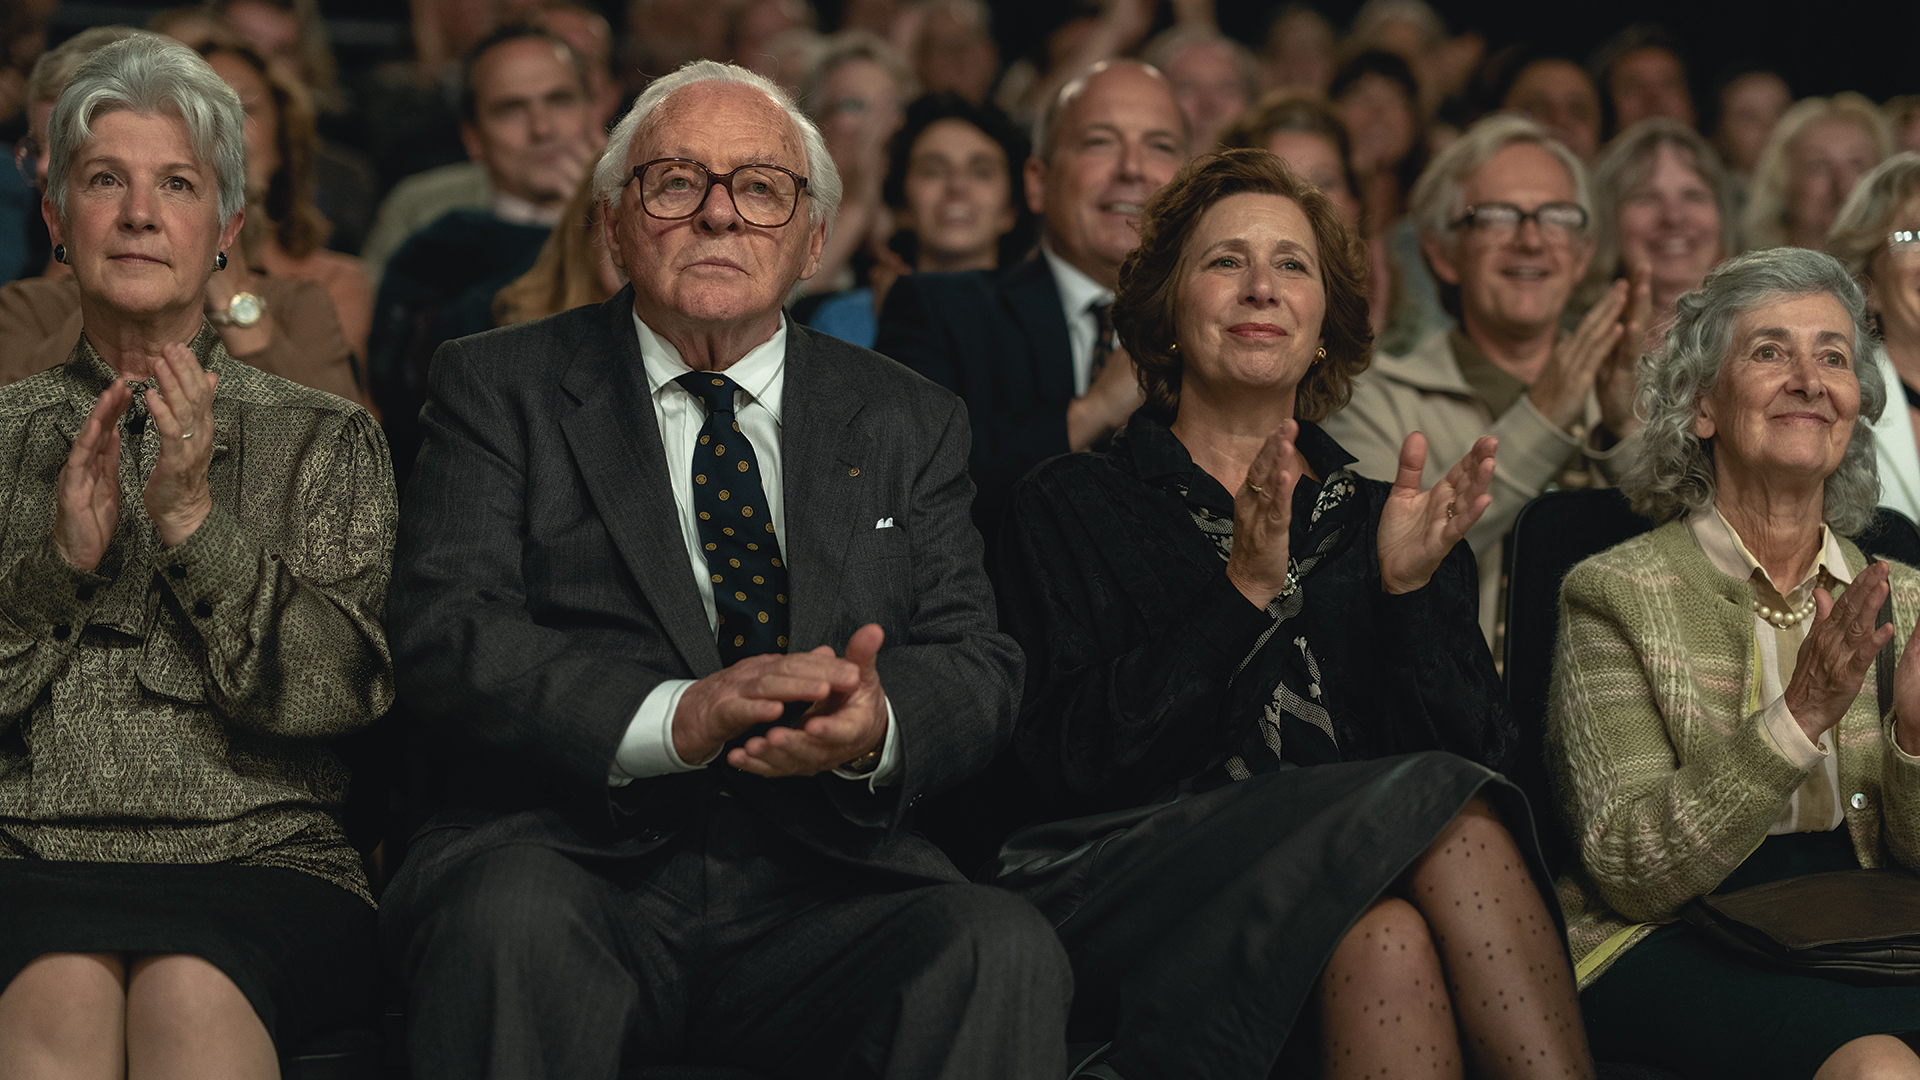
(64, 1015)
(186, 1018)
(1871, 1057)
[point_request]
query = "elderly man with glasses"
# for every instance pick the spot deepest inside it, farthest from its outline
(690, 608)
(1505, 221)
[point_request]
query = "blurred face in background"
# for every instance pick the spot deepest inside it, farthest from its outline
(1317, 158)
(1299, 52)
(1670, 222)
(1823, 164)
(1650, 82)
(1206, 81)
(275, 33)
(1893, 285)
(862, 109)
(1514, 282)
(1558, 95)
(1382, 119)
(959, 197)
(262, 120)
(533, 126)
(1750, 106)
(956, 55)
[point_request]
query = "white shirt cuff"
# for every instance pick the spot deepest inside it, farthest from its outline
(1787, 738)
(887, 773)
(647, 747)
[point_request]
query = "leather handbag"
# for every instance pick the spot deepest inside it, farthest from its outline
(1854, 926)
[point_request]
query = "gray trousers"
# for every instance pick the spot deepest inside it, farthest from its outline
(732, 945)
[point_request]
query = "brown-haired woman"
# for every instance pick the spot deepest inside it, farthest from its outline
(1267, 716)
(282, 148)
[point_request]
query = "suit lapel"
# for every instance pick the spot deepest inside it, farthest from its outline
(824, 466)
(1032, 295)
(616, 442)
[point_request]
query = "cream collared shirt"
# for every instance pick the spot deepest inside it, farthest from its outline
(1816, 805)
(761, 376)
(1078, 295)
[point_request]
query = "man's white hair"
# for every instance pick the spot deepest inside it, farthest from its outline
(610, 176)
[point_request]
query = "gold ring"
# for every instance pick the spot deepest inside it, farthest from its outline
(1256, 488)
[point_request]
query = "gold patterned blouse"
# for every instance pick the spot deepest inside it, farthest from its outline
(175, 704)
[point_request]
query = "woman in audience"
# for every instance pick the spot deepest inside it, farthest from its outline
(953, 185)
(1380, 101)
(1877, 238)
(192, 568)
(1818, 151)
(573, 268)
(281, 150)
(1707, 729)
(1219, 600)
(857, 91)
(292, 330)
(1304, 130)
(1665, 210)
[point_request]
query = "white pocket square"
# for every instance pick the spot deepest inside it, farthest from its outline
(883, 523)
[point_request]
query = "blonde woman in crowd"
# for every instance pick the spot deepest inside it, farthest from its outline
(573, 267)
(1877, 238)
(1816, 154)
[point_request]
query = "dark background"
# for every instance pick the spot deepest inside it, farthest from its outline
(1821, 46)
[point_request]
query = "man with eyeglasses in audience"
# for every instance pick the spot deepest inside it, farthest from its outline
(1505, 218)
(687, 596)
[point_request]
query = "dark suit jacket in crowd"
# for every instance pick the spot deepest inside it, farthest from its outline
(542, 588)
(999, 340)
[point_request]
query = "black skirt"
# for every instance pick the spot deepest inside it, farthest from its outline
(1198, 928)
(300, 948)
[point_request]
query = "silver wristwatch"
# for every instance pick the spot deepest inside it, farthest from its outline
(244, 310)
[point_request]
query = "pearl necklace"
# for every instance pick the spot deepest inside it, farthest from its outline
(1787, 619)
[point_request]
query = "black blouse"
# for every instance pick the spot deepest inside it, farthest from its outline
(1150, 675)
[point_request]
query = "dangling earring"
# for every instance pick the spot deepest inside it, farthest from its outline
(220, 263)
(1321, 355)
(60, 253)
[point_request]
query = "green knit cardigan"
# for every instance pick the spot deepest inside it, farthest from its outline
(1663, 775)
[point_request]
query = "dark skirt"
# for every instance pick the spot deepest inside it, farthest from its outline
(1676, 1002)
(300, 948)
(1198, 928)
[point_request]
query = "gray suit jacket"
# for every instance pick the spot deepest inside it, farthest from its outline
(541, 588)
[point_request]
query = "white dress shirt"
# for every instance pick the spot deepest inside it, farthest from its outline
(647, 748)
(1817, 804)
(1078, 295)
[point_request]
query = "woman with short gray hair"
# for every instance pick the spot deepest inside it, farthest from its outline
(192, 573)
(1877, 238)
(1707, 730)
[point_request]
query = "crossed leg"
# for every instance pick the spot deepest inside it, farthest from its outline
(101, 1016)
(1465, 968)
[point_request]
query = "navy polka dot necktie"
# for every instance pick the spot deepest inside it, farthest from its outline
(749, 578)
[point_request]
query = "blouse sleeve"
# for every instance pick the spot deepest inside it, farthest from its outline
(291, 638)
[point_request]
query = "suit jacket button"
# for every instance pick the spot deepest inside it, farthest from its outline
(61, 632)
(202, 609)
(1859, 800)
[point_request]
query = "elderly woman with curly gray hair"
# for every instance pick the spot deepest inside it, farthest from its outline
(193, 564)
(1708, 729)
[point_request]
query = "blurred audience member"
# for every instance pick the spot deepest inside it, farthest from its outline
(1903, 113)
(1751, 103)
(589, 35)
(755, 25)
(1641, 73)
(1664, 209)
(1380, 101)
(1299, 51)
(290, 33)
(1559, 95)
(573, 267)
(663, 34)
(284, 228)
(953, 49)
(23, 38)
(1214, 78)
(790, 56)
(857, 92)
(1413, 31)
(528, 122)
(1031, 349)
(1504, 217)
(1877, 238)
(1095, 34)
(953, 186)
(1817, 153)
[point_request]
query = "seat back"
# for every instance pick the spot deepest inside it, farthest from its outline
(1552, 534)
